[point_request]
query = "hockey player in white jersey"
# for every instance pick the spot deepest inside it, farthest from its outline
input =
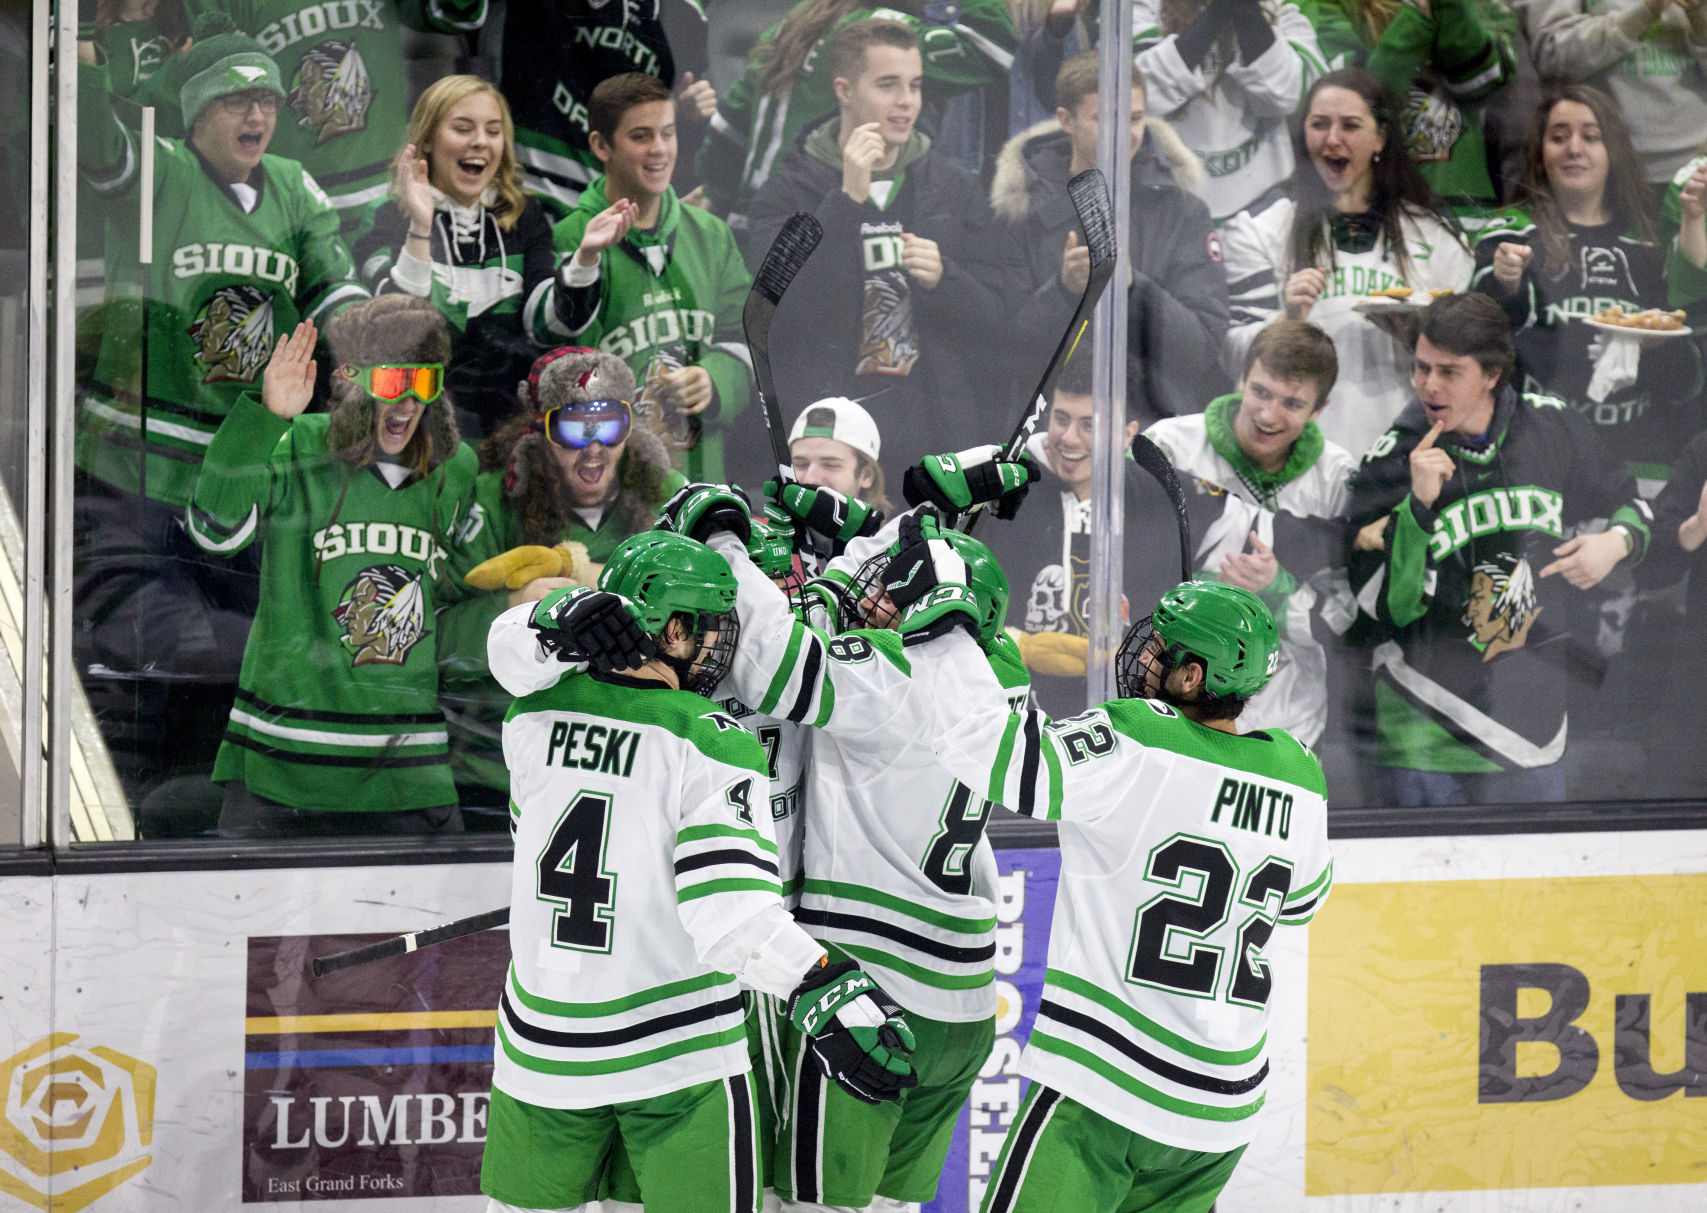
(646, 876)
(1184, 843)
(898, 874)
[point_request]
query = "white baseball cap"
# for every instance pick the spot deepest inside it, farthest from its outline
(841, 419)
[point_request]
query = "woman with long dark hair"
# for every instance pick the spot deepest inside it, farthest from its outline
(787, 84)
(1359, 218)
(1585, 238)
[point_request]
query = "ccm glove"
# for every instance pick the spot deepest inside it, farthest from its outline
(956, 483)
(827, 519)
(926, 580)
(700, 510)
(855, 1031)
(595, 626)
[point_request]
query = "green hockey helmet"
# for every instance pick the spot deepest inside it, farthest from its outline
(771, 549)
(984, 577)
(662, 575)
(1225, 627)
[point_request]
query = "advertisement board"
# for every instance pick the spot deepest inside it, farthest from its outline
(1471, 1025)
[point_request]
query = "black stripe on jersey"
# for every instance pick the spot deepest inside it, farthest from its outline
(378, 760)
(1156, 1065)
(808, 1100)
(119, 437)
(1023, 1139)
(808, 678)
(156, 405)
(744, 1183)
(872, 926)
(1302, 910)
(325, 180)
(1459, 734)
(1028, 767)
(617, 1036)
(210, 525)
(710, 859)
(253, 700)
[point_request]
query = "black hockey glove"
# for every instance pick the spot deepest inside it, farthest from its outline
(956, 483)
(856, 1032)
(700, 510)
(926, 581)
(595, 626)
(827, 519)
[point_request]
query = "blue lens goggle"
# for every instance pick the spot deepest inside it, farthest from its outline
(585, 422)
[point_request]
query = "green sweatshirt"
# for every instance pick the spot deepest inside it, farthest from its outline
(670, 296)
(337, 701)
(202, 318)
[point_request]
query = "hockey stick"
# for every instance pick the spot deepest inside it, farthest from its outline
(1149, 456)
(1089, 195)
(788, 252)
(413, 941)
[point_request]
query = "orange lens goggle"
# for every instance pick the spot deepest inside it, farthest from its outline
(388, 383)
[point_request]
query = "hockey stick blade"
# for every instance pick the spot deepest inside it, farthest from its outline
(1088, 192)
(1150, 457)
(412, 942)
(788, 253)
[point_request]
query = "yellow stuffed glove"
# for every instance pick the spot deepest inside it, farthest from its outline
(1061, 654)
(513, 569)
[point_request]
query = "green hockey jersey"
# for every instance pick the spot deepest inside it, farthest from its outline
(337, 701)
(202, 317)
(347, 88)
(665, 298)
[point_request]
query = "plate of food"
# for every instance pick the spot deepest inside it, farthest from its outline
(1651, 322)
(1385, 300)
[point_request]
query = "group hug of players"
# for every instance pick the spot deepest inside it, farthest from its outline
(752, 911)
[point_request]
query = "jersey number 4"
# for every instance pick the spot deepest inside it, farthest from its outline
(1173, 946)
(573, 875)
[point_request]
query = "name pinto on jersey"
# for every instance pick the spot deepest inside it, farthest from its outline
(1247, 800)
(592, 747)
(315, 19)
(238, 260)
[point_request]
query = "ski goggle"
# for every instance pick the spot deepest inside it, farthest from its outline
(585, 422)
(390, 383)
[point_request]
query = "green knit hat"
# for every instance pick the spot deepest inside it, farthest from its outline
(222, 61)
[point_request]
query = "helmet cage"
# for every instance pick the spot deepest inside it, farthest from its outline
(712, 659)
(1129, 672)
(867, 587)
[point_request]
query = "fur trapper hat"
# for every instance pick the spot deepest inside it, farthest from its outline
(534, 485)
(389, 330)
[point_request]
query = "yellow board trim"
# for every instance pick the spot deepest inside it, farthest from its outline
(400, 1021)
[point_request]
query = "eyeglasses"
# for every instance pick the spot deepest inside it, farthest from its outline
(389, 383)
(239, 103)
(581, 424)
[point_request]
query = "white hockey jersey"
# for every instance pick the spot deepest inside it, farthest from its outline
(1233, 115)
(787, 747)
(1375, 370)
(1296, 697)
(645, 875)
(898, 873)
(1182, 849)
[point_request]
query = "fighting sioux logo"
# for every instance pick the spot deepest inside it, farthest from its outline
(383, 613)
(331, 90)
(234, 334)
(1502, 606)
